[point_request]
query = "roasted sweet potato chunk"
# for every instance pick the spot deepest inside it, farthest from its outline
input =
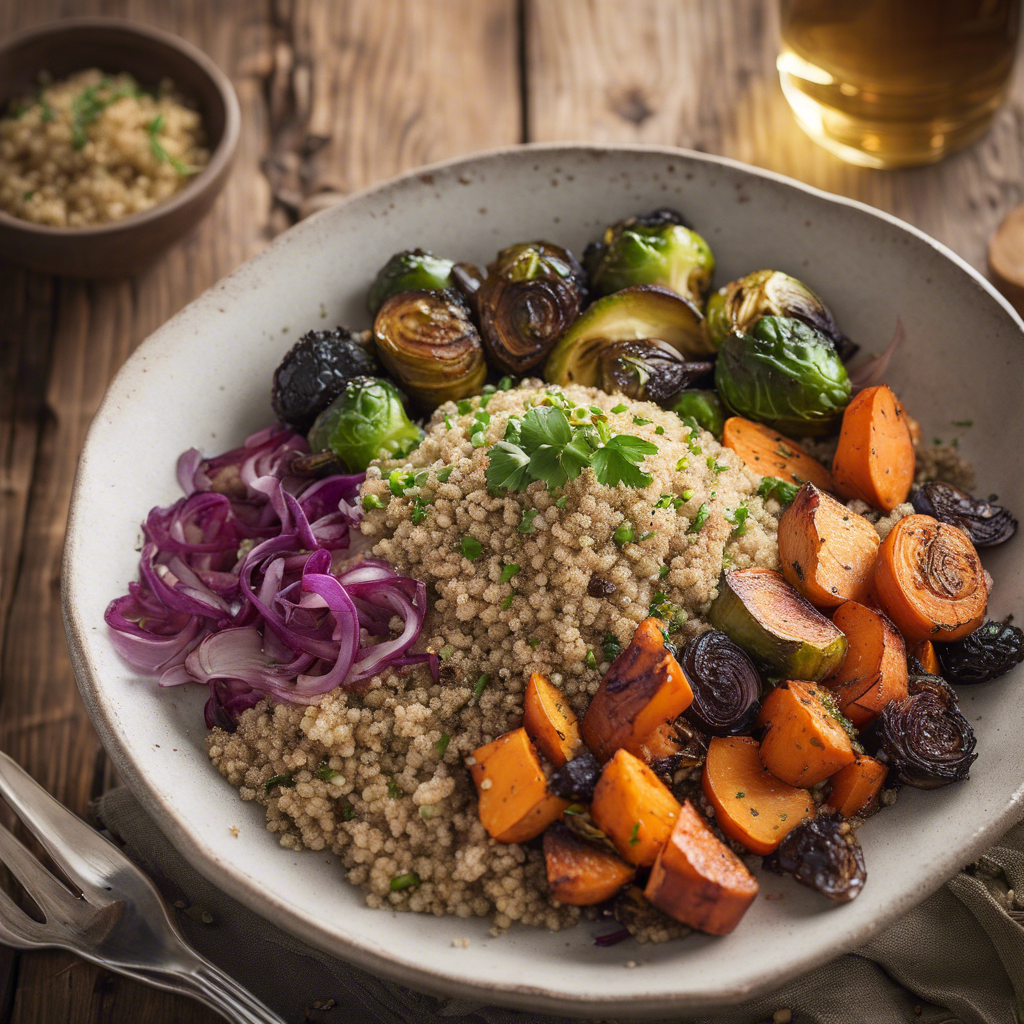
(767, 452)
(549, 721)
(855, 788)
(579, 872)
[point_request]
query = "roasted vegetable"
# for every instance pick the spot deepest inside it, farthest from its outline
(741, 303)
(758, 610)
(313, 374)
(875, 457)
(703, 407)
(549, 721)
(767, 452)
(366, 422)
(929, 580)
(698, 880)
(927, 657)
(784, 374)
(514, 801)
(650, 371)
(987, 653)
(925, 740)
(643, 688)
(634, 314)
(725, 684)
(874, 670)
(531, 294)
(633, 808)
(751, 805)
(671, 747)
(414, 270)
(827, 552)
(855, 788)
(823, 854)
(804, 742)
(656, 248)
(429, 345)
(576, 779)
(985, 523)
(582, 873)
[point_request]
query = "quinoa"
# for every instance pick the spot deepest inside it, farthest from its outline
(96, 148)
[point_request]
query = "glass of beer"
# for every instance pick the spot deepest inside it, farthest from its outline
(894, 83)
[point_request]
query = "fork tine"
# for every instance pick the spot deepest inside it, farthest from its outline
(50, 896)
(17, 929)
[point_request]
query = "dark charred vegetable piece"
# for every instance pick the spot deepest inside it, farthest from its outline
(650, 371)
(704, 408)
(673, 746)
(576, 779)
(926, 682)
(468, 278)
(823, 854)
(429, 344)
(366, 422)
(925, 739)
(410, 271)
(725, 684)
(655, 248)
(313, 374)
(531, 294)
(985, 523)
(784, 374)
(987, 653)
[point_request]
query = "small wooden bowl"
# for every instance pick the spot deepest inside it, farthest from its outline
(70, 45)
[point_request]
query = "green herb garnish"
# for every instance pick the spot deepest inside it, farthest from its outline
(471, 548)
(612, 647)
(401, 882)
(372, 501)
(506, 602)
(624, 534)
(463, 406)
(508, 572)
(621, 407)
(634, 836)
(700, 518)
(591, 660)
(781, 490)
(394, 790)
(641, 422)
(526, 523)
(279, 780)
(348, 812)
(505, 384)
(442, 744)
(326, 773)
(738, 518)
(443, 474)
(155, 127)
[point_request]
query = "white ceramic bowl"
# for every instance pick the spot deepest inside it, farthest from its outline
(203, 380)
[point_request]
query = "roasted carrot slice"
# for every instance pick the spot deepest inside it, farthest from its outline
(767, 452)
(698, 880)
(803, 741)
(751, 805)
(643, 688)
(579, 872)
(827, 551)
(875, 457)
(855, 788)
(633, 807)
(929, 580)
(549, 721)
(926, 657)
(912, 425)
(874, 671)
(514, 802)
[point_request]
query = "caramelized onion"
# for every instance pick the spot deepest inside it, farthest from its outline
(725, 684)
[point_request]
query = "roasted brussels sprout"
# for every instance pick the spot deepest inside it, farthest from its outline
(783, 374)
(576, 779)
(428, 343)
(366, 421)
(468, 279)
(531, 294)
(414, 270)
(656, 248)
(645, 312)
(703, 407)
(652, 371)
(823, 854)
(314, 372)
(985, 523)
(741, 303)
(987, 653)
(726, 686)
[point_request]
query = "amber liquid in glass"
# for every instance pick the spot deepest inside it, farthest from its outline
(892, 83)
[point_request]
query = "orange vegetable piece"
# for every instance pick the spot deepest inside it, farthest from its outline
(579, 872)
(929, 580)
(751, 805)
(827, 552)
(643, 688)
(549, 721)
(912, 425)
(634, 808)
(855, 788)
(698, 880)
(875, 457)
(874, 670)
(803, 743)
(767, 452)
(514, 802)
(926, 656)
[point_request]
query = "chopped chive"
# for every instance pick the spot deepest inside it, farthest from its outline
(591, 660)
(619, 408)
(401, 882)
(700, 518)
(327, 773)
(480, 685)
(443, 474)
(420, 507)
(659, 429)
(506, 602)
(662, 572)
(612, 647)
(372, 501)
(624, 534)
(505, 384)
(645, 536)
(442, 744)
(634, 836)
(687, 494)
(348, 812)
(463, 406)
(279, 780)
(683, 463)
(532, 641)
(394, 790)
(640, 421)
(447, 422)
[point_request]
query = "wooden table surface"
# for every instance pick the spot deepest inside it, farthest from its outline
(336, 95)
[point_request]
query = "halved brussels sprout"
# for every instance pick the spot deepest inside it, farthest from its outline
(532, 292)
(651, 371)
(741, 303)
(366, 421)
(655, 248)
(644, 312)
(428, 343)
(704, 407)
(783, 374)
(412, 270)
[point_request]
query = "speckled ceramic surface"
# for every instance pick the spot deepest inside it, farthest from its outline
(203, 379)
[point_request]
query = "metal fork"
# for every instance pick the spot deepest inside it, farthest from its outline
(120, 920)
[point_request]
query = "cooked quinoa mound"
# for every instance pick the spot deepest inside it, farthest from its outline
(379, 777)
